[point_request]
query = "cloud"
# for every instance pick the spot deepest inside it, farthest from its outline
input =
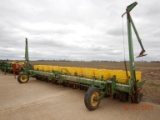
(76, 30)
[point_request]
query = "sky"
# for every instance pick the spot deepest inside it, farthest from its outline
(77, 29)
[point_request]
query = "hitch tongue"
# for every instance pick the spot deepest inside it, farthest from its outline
(141, 54)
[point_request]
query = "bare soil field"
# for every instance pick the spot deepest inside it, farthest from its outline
(150, 73)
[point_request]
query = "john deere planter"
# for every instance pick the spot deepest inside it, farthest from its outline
(97, 82)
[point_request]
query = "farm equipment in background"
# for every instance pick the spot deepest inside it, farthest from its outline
(5, 66)
(119, 84)
(11, 67)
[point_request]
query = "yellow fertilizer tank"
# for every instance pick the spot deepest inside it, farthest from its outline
(50, 68)
(102, 74)
(56, 68)
(72, 70)
(82, 72)
(68, 70)
(40, 67)
(21, 63)
(46, 68)
(79, 72)
(64, 70)
(139, 75)
(35, 67)
(89, 72)
(121, 76)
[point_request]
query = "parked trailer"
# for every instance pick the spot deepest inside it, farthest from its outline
(97, 88)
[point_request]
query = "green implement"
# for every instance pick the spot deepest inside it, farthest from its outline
(96, 89)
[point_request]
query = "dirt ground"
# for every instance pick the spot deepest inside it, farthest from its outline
(39, 100)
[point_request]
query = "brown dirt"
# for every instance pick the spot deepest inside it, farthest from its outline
(39, 100)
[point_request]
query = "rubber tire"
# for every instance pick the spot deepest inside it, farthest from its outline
(47, 80)
(54, 82)
(81, 87)
(37, 78)
(65, 84)
(57, 82)
(19, 78)
(133, 98)
(139, 98)
(124, 97)
(114, 95)
(87, 98)
(74, 86)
